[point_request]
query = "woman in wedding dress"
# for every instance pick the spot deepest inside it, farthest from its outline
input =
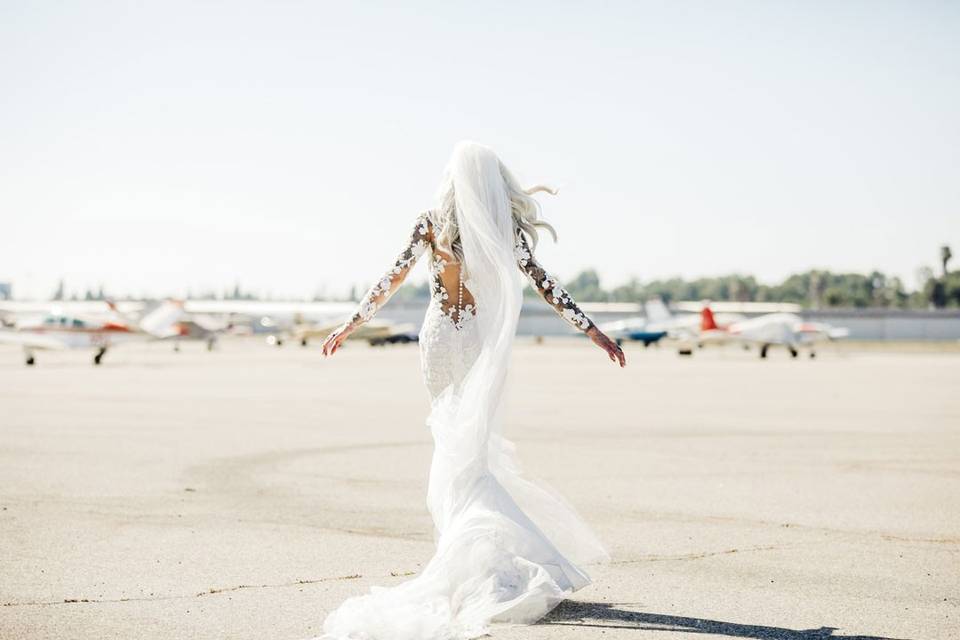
(507, 549)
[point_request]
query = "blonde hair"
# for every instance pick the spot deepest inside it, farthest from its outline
(525, 210)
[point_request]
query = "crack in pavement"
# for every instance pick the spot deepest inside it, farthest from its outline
(697, 556)
(208, 592)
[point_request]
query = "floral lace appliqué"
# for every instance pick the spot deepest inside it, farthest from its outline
(548, 287)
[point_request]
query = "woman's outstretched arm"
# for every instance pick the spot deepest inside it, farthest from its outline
(385, 287)
(557, 297)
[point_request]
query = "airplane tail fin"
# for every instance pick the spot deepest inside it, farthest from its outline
(707, 321)
(162, 321)
(656, 310)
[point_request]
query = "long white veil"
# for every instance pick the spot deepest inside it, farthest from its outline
(508, 549)
(465, 415)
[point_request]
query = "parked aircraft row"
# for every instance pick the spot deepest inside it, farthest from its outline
(698, 330)
(100, 326)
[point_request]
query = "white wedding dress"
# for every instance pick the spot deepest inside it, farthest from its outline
(508, 549)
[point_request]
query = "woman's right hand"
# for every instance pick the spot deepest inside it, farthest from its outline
(612, 348)
(336, 338)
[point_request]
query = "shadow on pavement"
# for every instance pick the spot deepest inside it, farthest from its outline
(605, 615)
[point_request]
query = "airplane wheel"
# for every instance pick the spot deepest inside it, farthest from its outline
(99, 356)
(813, 354)
(793, 352)
(279, 342)
(763, 350)
(303, 342)
(685, 352)
(31, 361)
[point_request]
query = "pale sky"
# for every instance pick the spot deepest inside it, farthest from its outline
(166, 146)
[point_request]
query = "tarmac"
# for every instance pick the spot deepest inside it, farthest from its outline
(246, 492)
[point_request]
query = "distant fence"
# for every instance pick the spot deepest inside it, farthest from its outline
(888, 324)
(864, 324)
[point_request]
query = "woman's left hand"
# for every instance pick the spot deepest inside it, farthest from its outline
(613, 350)
(336, 338)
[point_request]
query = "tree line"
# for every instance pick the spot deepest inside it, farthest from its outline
(814, 289)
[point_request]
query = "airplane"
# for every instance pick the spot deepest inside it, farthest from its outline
(200, 327)
(634, 329)
(648, 329)
(56, 330)
(773, 329)
(375, 332)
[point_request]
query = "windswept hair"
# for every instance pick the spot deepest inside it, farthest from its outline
(525, 209)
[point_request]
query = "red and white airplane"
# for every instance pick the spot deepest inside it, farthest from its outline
(773, 329)
(63, 331)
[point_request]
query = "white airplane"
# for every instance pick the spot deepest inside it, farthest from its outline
(773, 329)
(376, 332)
(68, 331)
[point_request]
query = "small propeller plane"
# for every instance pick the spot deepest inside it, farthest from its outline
(56, 331)
(773, 329)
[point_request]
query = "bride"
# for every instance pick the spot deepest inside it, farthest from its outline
(507, 549)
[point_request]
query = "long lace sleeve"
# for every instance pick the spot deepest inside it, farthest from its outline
(548, 287)
(385, 287)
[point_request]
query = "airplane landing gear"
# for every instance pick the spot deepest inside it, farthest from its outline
(30, 359)
(99, 355)
(793, 352)
(763, 350)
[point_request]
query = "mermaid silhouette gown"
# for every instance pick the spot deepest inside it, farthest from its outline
(508, 548)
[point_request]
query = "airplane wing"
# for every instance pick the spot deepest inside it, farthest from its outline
(31, 340)
(774, 328)
(162, 321)
(208, 323)
(318, 310)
